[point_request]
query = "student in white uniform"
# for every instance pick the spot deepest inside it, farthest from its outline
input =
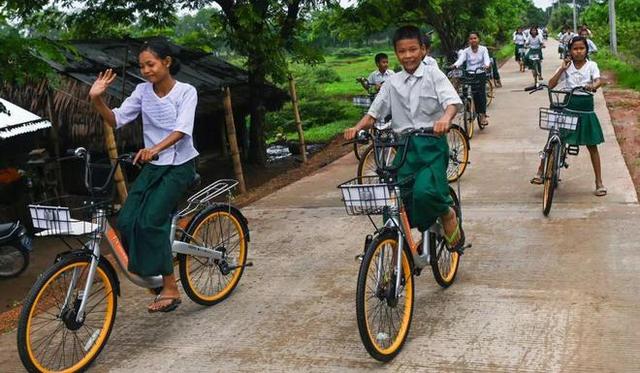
(519, 40)
(476, 58)
(167, 108)
(535, 44)
(579, 71)
(564, 40)
(592, 46)
(428, 60)
(382, 72)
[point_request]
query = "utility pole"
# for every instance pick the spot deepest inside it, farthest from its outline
(613, 39)
(575, 20)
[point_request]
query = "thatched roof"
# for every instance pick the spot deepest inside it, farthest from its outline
(207, 73)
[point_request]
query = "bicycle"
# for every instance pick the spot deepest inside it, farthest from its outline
(464, 83)
(522, 51)
(70, 311)
(559, 121)
(459, 147)
(15, 249)
(537, 67)
(391, 257)
(359, 148)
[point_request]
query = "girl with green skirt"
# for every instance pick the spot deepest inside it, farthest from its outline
(535, 42)
(579, 71)
(167, 108)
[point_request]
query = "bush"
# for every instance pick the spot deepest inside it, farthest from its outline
(325, 74)
(348, 52)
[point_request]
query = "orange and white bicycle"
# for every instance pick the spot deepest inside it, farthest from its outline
(69, 313)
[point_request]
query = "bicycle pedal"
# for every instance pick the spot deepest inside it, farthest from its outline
(358, 257)
(465, 247)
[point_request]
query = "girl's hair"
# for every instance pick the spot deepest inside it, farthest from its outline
(162, 50)
(533, 29)
(476, 33)
(577, 39)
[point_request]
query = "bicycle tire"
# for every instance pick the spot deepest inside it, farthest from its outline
(26, 324)
(387, 238)
(445, 274)
(490, 91)
(359, 149)
(469, 118)
(23, 255)
(550, 178)
(199, 226)
(367, 164)
(458, 153)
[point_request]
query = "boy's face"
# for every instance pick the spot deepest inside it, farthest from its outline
(584, 33)
(409, 53)
(383, 65)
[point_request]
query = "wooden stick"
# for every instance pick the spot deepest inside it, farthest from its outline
(296, 113)
(233, 140)
(112, 151)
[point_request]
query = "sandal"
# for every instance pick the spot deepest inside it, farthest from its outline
(171, 306)
(455, 242)
(537, 180)
(601, 191)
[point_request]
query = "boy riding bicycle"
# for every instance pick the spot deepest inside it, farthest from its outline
(420, 96)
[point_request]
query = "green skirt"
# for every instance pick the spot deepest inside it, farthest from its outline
(527, 57)
(589, 131)
(144, 222)
(426, 197)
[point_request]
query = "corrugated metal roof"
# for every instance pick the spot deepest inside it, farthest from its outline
(15, 120)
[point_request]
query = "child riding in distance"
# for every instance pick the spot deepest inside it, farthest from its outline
(579, 71)
(420, 97)
(382, 73)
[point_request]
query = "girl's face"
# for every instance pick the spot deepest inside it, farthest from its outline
(152, 67)
(474, 40)
(578, 51)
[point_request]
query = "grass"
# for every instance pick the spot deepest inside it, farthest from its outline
(628, 75)
(504, 53)
(323, 134)
(350, 68)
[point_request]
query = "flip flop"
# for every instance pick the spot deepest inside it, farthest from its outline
(537, 180)
(601, 192)
(458, 237)
(171, 306)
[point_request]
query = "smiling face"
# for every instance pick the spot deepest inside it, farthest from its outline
(409, 53)
(153, 68)
(474, 40)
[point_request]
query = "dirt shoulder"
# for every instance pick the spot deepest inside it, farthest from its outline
(624, 108)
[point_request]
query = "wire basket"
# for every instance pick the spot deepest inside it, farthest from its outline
(362, 101)
(522, 51)
(556, 120)
(368, 196)
(70, 216)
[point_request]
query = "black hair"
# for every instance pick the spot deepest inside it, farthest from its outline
(577, 39)
(426, 40)
(381, 56)
(162, 50)
(407, 32)
(531, 30)
(476, 33)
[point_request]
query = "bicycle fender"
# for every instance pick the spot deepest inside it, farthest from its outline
(85, 254)
(243, 220)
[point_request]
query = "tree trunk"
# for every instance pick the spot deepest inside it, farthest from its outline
(257, 149)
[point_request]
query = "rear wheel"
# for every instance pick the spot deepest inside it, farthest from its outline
(550, 177)
(207, 281)
(383, 318)
(445, 263)
(469, 118)
(367, 165)
(50, 339)
(490, 92)
(458, 153)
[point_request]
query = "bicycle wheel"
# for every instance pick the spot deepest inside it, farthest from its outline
(49, 337)
(469, 118)
(367, 165)
(550, 177)
(383, 318)
(359, 149)
(444, 263)
(13, 261)
(208, 281)
(490, 92)
(458, 153)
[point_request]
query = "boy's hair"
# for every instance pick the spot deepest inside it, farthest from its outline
(407, 32)
(162, 49)
(577, 39)
(380, 56)
(426, 40)
(476, 33)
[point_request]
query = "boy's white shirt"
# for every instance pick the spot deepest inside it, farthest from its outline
(415, 100)
(376, 77)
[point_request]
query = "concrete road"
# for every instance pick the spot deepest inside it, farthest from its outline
(534, 294)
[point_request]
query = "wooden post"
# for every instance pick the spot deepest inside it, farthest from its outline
(233, 140)
(296, 113)
(55, 138)
(112, 151)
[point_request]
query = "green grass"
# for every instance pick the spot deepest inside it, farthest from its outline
(504, 53)
(350, 68)
(627, 74)
(321, 134)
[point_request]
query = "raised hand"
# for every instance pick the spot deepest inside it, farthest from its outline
(101, 84)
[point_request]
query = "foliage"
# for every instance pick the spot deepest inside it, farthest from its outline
(627, 25)
(627, 75)
(561, 16)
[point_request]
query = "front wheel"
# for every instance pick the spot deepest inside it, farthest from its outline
(550, 177)
(469, 117)
(208, 281)
(458, 153)
(383, 317)
(13, 260)
(50, 339)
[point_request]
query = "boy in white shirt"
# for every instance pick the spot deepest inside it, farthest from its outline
(382, 73)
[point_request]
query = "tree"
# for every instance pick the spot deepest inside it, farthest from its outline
(561, 15)
(263, 31)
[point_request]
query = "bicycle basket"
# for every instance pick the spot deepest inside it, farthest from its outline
(362, 101)
(550, 119)
(368, 196)
(70, 216)
(522, 51)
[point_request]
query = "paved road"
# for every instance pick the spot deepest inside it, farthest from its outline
(534, 293)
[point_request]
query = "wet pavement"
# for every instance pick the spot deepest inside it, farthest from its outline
(533, 294)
